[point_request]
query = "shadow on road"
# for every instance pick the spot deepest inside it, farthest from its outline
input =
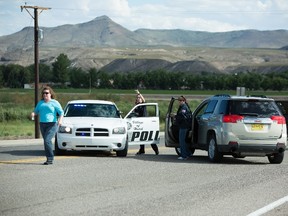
(199, 159)
(24, 152)
(167, 158)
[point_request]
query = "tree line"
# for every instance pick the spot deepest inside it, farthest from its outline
(62, 74)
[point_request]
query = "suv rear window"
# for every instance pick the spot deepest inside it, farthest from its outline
(254, 108)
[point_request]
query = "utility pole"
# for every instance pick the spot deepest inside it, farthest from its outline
(36, 57)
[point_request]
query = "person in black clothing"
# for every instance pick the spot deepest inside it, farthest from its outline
(141, 112)
(182, 119)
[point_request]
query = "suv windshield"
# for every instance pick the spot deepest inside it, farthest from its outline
(253, 108)
(91, 110)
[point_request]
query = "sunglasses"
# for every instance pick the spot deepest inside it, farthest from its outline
(45, 93)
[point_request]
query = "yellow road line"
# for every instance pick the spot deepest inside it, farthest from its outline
(31, 160)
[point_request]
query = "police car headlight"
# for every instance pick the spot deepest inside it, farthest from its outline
(65, 129)
(119, 130)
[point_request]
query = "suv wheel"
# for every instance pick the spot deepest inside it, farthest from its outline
(276, 158)
(213, 154)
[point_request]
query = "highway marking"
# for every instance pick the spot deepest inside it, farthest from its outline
(269, 207)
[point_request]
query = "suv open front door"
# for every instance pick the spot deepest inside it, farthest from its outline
(171, 129)
(144, 130)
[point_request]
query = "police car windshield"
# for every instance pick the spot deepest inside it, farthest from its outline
(91, 110)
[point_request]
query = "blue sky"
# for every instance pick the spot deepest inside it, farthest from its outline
(196, 15)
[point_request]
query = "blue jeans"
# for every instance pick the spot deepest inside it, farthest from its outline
(183, 146)
(48, 131)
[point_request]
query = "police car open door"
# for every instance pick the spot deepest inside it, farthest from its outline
(143, 124)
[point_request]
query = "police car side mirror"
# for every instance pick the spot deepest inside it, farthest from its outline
(118, 113)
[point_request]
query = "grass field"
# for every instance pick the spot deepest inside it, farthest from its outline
(17, 130)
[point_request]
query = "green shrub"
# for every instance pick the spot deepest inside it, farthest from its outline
(12, 112)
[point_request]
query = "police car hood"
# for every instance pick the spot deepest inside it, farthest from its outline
(93, 122)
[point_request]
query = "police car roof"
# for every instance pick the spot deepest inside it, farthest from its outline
(90, 102)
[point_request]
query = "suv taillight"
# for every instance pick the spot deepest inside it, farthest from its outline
(232, 118)
(279, 119)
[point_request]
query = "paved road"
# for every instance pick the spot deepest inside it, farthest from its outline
(103, 184)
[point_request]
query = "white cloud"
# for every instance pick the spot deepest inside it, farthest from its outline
(83, 5)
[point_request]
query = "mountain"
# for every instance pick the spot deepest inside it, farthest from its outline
(142, 65)
(135, 65)
(100, 32)
(103, 32)
(233, 39)
(104, 44)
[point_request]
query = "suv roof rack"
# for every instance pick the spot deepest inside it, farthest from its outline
(222, 95)
(261, 96)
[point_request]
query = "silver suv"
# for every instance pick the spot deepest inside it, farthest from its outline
(233, 125)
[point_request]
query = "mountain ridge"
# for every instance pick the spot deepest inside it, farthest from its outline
(101, 43)
(103, 32)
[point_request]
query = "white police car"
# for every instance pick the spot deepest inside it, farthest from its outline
(98, 125)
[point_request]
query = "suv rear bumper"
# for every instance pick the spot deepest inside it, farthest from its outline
(245, 149)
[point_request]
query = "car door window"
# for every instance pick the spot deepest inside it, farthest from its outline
(201, 111)
(211, 106)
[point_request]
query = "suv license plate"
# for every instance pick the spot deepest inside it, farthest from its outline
(257, 127)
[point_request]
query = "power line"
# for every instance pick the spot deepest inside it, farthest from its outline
(185, 11)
